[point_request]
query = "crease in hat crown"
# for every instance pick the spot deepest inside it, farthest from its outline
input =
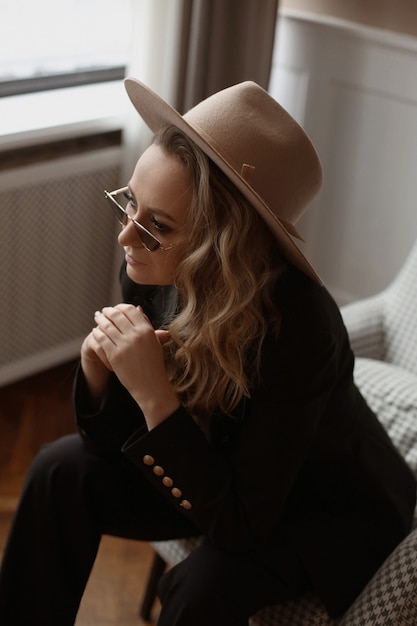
(242, 126)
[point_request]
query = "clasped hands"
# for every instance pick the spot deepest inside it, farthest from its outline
(125, 342)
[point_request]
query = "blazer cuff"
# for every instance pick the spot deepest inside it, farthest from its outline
(164, 456)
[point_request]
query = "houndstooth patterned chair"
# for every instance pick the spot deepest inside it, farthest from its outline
(383, 333)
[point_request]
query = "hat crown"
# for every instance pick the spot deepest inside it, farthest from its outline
(246, 126)
(259, 147)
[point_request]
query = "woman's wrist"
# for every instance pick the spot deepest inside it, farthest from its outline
(158, 407)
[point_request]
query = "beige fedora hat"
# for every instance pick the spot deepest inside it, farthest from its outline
(257, 144)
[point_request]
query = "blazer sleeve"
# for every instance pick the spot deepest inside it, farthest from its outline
(117, 417)
(236, 494)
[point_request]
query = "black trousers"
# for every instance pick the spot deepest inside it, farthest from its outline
(71, 497)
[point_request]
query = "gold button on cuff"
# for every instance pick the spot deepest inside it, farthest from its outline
(186, 504)
(158, 470)
(148, 459)
(167, 481)
(177, 493)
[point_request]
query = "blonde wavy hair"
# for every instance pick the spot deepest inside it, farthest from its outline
(226, 281)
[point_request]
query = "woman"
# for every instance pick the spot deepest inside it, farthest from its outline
(218, 399)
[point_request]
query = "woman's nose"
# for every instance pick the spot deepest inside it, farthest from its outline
(128, 236)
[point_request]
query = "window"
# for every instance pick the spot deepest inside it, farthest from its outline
(60, 43)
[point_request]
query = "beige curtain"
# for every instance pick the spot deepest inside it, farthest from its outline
(224, 42)
(187, 49)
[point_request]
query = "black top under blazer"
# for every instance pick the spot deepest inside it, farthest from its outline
(304, 462)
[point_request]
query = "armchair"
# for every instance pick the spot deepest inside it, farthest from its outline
(383, 333)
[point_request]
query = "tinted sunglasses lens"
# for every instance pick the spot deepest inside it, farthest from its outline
(122, 217)
(118, 212)
(148, 241)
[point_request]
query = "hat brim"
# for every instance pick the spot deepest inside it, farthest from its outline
(157, 113)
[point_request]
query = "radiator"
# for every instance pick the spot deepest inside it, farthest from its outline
(57, 257)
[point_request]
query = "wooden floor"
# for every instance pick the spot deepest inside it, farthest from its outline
(38, 410)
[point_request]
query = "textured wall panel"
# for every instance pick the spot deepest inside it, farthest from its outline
(57, 259)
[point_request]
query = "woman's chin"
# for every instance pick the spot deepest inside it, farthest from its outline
(137, 274)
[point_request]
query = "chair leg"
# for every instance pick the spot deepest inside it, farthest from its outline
(158, 568)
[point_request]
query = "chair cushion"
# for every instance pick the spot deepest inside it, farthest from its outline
(401, 316)
(305, 611)
(390, 598)
(391, 392)
(174, 551)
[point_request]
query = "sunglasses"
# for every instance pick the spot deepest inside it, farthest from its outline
(150, 242)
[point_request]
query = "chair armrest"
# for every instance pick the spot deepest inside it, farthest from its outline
(391, 594)
(364, 321)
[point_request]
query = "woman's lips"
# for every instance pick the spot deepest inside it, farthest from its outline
(131, 261)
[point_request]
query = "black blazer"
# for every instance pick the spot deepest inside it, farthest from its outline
(304, 462)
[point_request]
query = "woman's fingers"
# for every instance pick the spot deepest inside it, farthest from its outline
(122, 317)
(122, 332)
(163, 336)
(103, 344)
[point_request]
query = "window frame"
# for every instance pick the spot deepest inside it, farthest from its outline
(47, 82)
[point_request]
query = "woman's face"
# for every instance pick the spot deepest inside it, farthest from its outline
(160, 190)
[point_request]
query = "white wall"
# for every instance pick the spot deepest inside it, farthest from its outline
(354, 90)
(395, 15)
